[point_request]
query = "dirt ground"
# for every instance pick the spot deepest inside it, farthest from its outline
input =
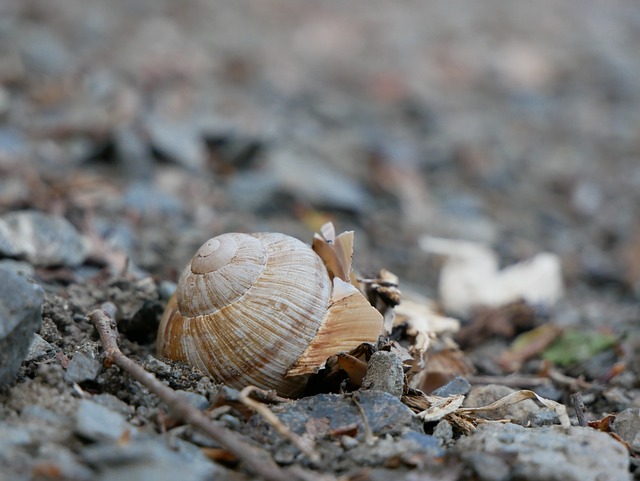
(154, 125)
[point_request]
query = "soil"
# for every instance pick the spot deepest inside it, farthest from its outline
(152, 126)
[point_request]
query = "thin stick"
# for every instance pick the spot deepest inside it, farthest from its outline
(578, 405)
(257, 460)
(304, 445)
(369, 437)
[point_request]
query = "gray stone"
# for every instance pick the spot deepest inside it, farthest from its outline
(149, 459)
(82, 367)
(20, 318)
(98, 423)
(627, 426)
(113, 403)
(443, 431)
(388, 448)
(384, 373)
(497, 452)
(41, 239)
(385, 414)
(38, 349)
(196, 400)
(458, 385)
(19, 267)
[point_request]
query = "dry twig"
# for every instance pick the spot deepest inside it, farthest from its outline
(257, 460)
(578, 405)
(304, 445)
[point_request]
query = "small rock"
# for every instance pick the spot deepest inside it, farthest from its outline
(98, 423)
(83, 367)
(496, 452)
(23, 268)
(388, 449)
(166, 289)
(20, 318)
(384, 373)
(443, 431)
(483, 395)
(196, 400)
(149, 201)
(627, 426)
(384, 412)
(113, 403)
(38, 349)
(149, 459)
(179, 141)
(458, 385)
(42, 239)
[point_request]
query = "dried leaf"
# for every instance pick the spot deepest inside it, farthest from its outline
(335, 252)
(576, 346)
(528, 345)
(440, 407)
(519, 396)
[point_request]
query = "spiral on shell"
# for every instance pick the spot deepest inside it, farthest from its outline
(261, 309)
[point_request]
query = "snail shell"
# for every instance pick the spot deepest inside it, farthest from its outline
(261, 309)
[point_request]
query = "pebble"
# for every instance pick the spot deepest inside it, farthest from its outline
(384, 373)
(20, 318)
(496, 452)
(38, 349)
(627, 426)
(82, 367)
(384, 412)
(198, 401)
(387, 449)
(150, 459)
(99, 423)
(41, 239)
(458, 385)
(19, 267)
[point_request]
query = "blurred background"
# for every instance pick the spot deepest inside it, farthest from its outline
(154, 124)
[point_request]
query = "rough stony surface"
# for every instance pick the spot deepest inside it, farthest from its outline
(20, 318)
(132, 130)
(497, 452)
(384, 373)
(41, 239)
(627, 426)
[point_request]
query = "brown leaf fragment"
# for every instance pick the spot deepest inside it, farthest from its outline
(220, 455)
(528, 345)
(354, 367)
(382, 290)
(335, 252)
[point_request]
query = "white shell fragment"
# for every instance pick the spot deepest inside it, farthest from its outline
(471, 277)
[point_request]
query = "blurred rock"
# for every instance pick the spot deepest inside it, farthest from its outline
(82, 367)
(99, 423)
(496, 452)
(384, 412)
(20, 318)
(179, 141)
(148, 201)
(384, 373)
(458, 385)
(19, 267)
(42, 239)
(627, 426)
(297, 174)
(38, 348)
(150, 459)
